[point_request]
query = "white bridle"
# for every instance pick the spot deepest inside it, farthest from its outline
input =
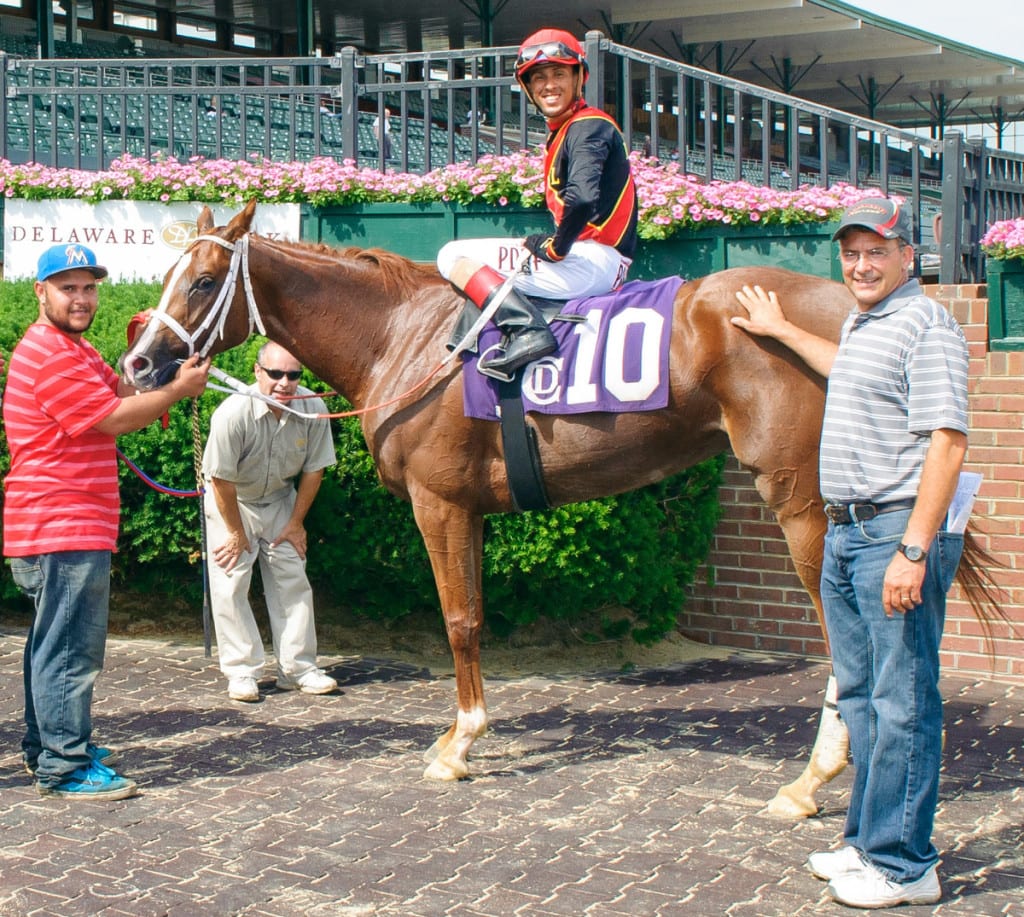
(215, 319)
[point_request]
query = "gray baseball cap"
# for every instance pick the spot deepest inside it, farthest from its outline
(880, 215)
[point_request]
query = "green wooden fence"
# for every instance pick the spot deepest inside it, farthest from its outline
(419, 230)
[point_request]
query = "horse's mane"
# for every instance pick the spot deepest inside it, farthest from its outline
(399, 275)
(407, 275)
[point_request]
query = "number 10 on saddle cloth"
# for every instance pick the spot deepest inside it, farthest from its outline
(615, 360)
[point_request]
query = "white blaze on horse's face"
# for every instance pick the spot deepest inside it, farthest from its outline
(161, 317)
(138, 362)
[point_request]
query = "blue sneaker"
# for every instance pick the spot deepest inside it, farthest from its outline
(106, 756)
(96, 781)
(101, 755)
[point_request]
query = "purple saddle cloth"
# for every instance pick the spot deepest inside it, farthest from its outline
(615, 360)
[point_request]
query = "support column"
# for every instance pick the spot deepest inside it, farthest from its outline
(305, 33)
(44, 28)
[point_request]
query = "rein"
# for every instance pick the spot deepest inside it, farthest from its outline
(468, 341)
(213, 325)
(156, 485)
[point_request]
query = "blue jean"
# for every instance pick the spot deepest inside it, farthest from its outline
(63, 655)
(887, 674)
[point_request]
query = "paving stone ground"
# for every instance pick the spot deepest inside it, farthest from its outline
(638, 793)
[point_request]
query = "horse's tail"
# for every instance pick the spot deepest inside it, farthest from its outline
(982, 592)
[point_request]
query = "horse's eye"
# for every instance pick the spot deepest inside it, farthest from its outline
(203, 284)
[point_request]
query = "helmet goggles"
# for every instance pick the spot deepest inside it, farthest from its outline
(555, 52)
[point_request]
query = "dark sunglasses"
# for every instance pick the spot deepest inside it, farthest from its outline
(553, 51)
(275, 374)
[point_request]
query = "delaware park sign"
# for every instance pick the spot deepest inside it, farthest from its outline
(134, 240)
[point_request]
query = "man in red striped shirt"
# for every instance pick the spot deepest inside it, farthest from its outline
(63, 409)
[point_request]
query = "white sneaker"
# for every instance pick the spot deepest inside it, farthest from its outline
(831, 864)
(243, 688)
(869, 888)
(313, 682)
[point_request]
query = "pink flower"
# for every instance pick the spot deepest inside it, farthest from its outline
(669, 200)
(1004, 240)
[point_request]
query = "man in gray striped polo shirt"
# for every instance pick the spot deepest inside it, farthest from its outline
(892, 445)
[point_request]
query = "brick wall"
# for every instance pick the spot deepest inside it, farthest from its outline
(750, 597)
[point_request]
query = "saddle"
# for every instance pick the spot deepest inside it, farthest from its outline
(519, 440)
(612, 357)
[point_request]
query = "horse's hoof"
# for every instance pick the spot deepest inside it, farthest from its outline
(437, 749)
(787, 805)
(430, 755)
(445, 770)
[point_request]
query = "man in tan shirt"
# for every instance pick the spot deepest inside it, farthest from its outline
(254, 511)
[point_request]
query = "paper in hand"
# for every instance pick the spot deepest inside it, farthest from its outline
(963, 502)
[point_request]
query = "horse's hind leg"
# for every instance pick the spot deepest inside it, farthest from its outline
(828, 758)
(803, 524)
(454, 540)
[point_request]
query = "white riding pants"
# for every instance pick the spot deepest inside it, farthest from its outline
(288, 595)
(589, 269)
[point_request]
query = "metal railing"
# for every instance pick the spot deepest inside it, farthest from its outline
(451, 106)
(980, 186)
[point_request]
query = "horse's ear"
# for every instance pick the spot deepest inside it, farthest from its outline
(240, 222)
(205, 222)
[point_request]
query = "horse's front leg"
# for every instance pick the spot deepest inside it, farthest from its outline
(454, 540)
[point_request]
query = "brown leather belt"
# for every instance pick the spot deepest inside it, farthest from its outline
(846, 513)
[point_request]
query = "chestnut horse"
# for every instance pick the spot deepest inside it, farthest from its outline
(373, 324)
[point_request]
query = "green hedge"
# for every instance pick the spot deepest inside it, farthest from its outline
(639, 550)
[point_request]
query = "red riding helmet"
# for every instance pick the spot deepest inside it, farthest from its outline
(550, 46)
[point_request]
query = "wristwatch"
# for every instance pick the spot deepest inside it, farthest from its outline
(913, 552)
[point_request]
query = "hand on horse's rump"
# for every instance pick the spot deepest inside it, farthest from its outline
(765, 314)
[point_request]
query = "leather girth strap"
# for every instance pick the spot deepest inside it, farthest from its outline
(522, 457)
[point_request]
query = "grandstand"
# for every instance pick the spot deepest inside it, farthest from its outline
(111, 97)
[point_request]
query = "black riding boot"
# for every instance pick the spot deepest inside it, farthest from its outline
(528, 337)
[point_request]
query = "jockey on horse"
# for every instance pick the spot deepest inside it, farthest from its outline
(589, 190)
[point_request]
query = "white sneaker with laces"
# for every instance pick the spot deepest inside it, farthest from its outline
(831, 864)
(243, 688)
(870, 888)
(313, 682)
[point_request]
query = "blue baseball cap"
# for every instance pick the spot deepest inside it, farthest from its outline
(59, 258)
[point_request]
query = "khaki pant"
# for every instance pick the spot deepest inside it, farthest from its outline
(288, 594)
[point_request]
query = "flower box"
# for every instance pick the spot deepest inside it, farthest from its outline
(419, 230)
(692, 253)
(497, 196)
(1005, 304)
